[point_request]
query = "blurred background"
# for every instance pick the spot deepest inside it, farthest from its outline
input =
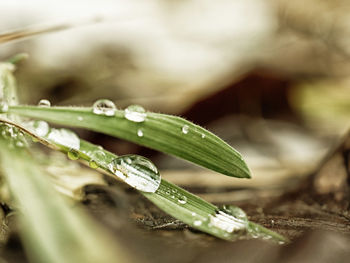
(270, 77)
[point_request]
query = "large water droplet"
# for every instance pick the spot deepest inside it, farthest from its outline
(137, 171)
(135, 113)
(73, 154)
(4, 107)
(104, 107)
(229, 219)
(40, 128)
(182, 199)
(185, 129)
(64, 137)
(44, 103)
(139, 133)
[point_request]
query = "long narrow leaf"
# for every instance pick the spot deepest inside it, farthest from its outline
(169, 134)
(52, 231)
(227, 223)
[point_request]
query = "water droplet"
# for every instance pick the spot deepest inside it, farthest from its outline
(281, 242)
(44, 103)
(64, 137)
(4, 107)
(185, 129)
(197, 223)
(272, 222)
(203, 135)
(93, 164)
(104, 107)
(73, 154)
(40, 128)
(80, 118)
(193, 214)
(229, 219)
(182, 199)
(135, 113)
(139, 133)
(137, 171)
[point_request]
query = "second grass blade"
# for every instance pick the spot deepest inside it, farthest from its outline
(165, 133)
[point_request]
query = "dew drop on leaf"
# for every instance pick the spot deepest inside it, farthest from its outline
(185, 129)
(80, 118)
(135, 113)
(104, 107)
(64, 137)
(182, 199)
(137, 171)
(229, 219)
(44, 103)
(73, 154)
(203, 135)
(139, 133)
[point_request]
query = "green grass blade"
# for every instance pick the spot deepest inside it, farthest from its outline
(52, 231)
(159, 131)
(177, 202)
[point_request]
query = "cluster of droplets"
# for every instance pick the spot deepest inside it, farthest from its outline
(176, 195)
(13, 136)
(137, 171)
(186, 129)
(133, 113)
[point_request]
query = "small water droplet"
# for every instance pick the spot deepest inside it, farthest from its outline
(182, 199)
(137, 171)
(4, 107)
(80, 118)
(197, 223)
(281, 242)
(135, 113)
(203, 135)
(193, 214)
(139, 133)
(93, 164)
(64, 137)
(185, 129)
(44, 103)
(73, 154)
(104, 107)
(272, 222)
